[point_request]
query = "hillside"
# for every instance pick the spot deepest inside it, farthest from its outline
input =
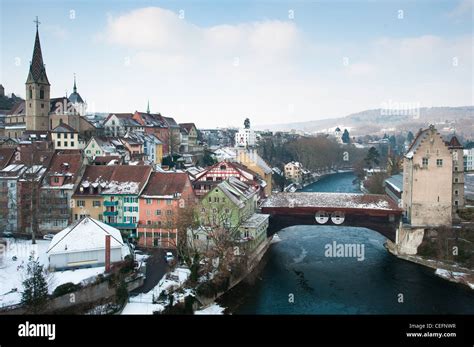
(449, 119)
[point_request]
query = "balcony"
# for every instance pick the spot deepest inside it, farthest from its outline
(123, 225)
(110, 203)
(110, 213)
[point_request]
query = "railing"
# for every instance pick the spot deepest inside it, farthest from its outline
(110, 213)
(123, 225)
(110, 203)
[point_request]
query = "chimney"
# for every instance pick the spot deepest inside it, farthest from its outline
(107, 253)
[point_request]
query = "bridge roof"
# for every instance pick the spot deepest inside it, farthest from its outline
(331, 201)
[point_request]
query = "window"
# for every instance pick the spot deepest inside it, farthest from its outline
(41, 93)
(42, 105)
(148, 212)
(31, 95)
(158, 212)
(72, 143)
(456, 180)
(81, 203)
(425, 162)
(56, 179)
(455, 168)
(456, 203)
(456, 192)
(148, 222)
(168, 224)
(223, 167)
(96, 203)
(216, 199)
(203, 210)
(148, 201)
(210, 199)
(439, 162)
(169, 212)
(65, 143)
(168, 202)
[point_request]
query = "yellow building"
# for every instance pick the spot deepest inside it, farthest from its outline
(87, 199)
(254, 162)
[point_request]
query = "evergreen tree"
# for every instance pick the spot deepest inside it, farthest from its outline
(345, 137)
(35, 287)
(372, 157)
(247, 123)
(410, 137)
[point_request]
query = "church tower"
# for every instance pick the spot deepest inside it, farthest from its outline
(37, 90)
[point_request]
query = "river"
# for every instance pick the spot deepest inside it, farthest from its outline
(296, 277)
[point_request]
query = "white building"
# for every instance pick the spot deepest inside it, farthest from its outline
(468, 154)
(83, 245)
(338, 134)
(245, 137)
(294, 171)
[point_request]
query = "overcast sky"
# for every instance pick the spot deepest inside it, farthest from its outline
(216, 62)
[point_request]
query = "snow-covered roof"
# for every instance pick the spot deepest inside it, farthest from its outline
(255, 220)
(330, 200)
(396, 182)
(86, 235)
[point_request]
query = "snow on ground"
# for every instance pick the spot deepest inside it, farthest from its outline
(143, 302)
(276, 238)
(13, 272)
(454, 276)
(213, 309)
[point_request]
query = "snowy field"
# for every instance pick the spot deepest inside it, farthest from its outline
(212, 309)
(143, 303)
(13, 272)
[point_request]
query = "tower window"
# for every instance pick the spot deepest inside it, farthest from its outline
(439, 162)
(42, 94)
(42, 105)
(31, 94)
(425, 162)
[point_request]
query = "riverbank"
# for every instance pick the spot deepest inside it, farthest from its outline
(253, 262)
(316, 177)
(451, 272)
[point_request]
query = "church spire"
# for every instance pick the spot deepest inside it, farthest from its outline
(148, 107)
(37, 71)
(75, 88)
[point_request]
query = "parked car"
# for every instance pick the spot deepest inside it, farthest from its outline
(48, 237)
(169, 257)
(7, 234)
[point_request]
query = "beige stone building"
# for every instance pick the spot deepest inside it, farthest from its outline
(458, 173)
(432, 179)
(37, 91)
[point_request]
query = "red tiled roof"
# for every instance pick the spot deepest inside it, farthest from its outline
(131, 173)
(163, 183)
(187, 126)
(454, 142)
(6, 155)
(34, 154)
(66, 162)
